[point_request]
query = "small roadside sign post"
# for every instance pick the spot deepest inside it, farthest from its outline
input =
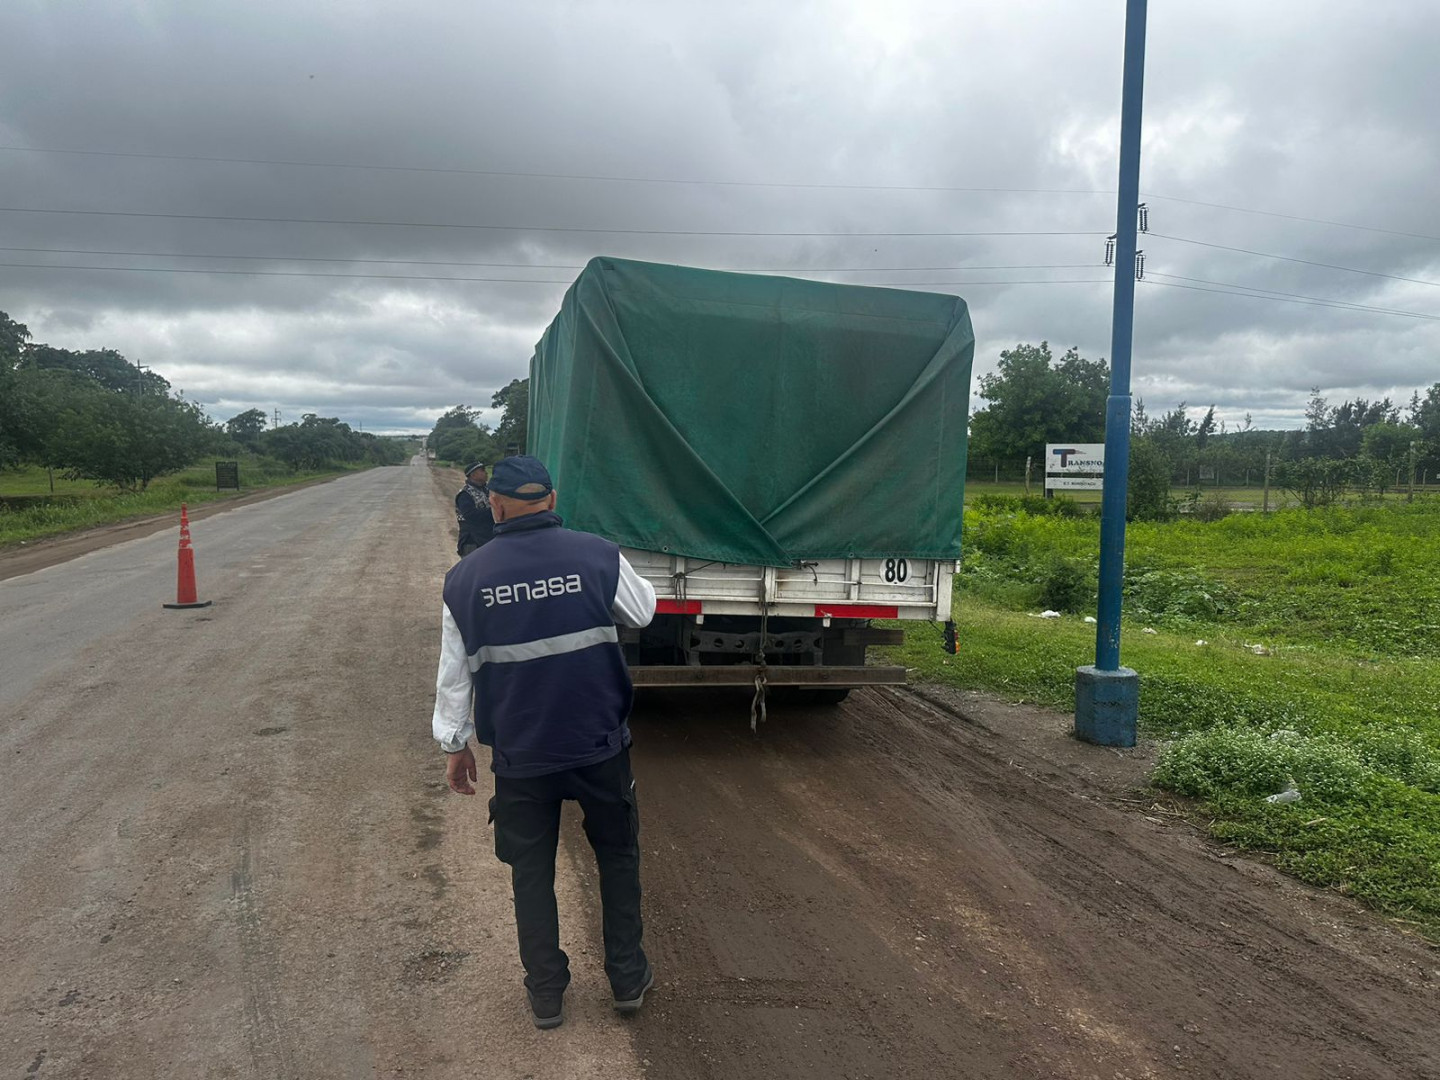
(1074, 466)
(227, 475)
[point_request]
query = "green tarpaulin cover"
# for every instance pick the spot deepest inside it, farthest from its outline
(754, 419)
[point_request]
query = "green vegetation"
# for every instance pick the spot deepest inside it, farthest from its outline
(459, 437)
(1301, 646)
(1358, 447)
(28, 511)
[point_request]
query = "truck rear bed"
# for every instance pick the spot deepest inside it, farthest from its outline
(896, 588)
(810, 623)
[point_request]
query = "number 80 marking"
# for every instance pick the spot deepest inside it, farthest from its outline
(896, 570)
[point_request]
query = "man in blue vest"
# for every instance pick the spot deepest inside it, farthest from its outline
(529, 635)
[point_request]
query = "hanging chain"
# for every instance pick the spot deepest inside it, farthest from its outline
(757, 704)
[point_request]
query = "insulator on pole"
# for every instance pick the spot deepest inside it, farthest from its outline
(1144, 217)
(1110, 251)
(1140, 265)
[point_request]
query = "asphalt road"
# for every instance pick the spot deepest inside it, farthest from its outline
(228, 851)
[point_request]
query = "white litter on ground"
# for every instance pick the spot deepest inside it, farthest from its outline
(1289, 795)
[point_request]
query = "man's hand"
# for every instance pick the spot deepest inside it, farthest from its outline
(460, 771)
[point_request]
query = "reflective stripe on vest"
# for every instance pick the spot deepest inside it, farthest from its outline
(551, 646)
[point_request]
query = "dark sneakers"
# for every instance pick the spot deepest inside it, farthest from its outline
(547, 1012)
(630, 1003)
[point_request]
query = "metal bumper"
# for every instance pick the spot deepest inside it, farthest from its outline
(778, 675)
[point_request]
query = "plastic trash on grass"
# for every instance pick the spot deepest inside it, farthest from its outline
(1291, 794)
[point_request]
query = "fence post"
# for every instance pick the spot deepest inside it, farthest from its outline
(1265, 508)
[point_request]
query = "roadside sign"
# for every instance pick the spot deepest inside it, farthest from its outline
(227, 475)
(1075, 457)
(1074, 466)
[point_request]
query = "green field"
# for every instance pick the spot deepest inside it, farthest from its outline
(1298, 646)
(28, 512)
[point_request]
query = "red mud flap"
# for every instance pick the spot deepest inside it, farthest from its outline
(776, 675)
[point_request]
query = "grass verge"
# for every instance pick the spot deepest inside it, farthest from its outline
(81, 505)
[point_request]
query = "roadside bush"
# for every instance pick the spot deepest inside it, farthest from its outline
(1186, 594)
(1148, 492)
(1235, 761)
(1401, 755)
(1212, 507)
(1035, 505)
(1068, 585)
(1382, 561)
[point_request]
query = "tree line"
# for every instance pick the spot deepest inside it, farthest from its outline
(1031, 399)
(94, 415)
(459, 436)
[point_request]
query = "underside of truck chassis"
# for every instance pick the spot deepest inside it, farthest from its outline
(741, 650)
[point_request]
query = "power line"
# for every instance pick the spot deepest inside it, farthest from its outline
(273, 273)
(967, 284)
(428, 277)
(1307, 301)
(693, 181)
(542, 266)
(514, 228)
(1294, 217)
(1277, 292)
(1290, 258)
(291, 258)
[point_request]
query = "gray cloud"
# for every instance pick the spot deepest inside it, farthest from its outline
(1307, 109)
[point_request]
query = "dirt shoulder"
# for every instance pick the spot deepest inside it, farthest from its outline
(919, 887)
(28, 556)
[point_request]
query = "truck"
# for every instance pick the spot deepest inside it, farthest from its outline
(782, 459)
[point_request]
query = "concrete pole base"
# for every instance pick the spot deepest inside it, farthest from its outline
(1107, 705)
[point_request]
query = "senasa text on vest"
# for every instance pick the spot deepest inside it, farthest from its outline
(539, 590)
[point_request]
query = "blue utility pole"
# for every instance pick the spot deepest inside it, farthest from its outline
(1107, 696)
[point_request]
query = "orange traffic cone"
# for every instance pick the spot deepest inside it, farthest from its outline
(185, 578)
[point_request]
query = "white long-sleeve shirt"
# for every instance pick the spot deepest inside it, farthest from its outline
(454, 720)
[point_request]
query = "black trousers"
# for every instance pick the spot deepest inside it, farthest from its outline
(526, 814)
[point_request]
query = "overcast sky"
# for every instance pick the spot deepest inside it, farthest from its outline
(781, 117)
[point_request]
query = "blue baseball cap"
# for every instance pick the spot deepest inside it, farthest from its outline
(522, 477)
